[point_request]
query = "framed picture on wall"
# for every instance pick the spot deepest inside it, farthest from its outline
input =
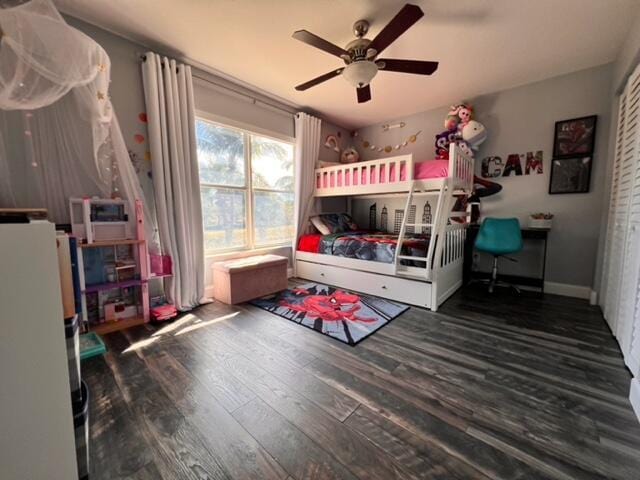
(574, 137)
(570, 175)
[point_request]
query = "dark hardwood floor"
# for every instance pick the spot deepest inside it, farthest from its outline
(489, 387)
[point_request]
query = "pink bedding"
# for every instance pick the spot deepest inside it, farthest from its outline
(422, 171)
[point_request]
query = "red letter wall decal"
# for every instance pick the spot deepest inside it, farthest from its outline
(534, 163)
(513, 165)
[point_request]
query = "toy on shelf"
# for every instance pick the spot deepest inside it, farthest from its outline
(161, 310)
(113, 264)
(160, 266)
(100, 219)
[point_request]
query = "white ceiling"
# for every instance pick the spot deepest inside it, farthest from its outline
(482, 45)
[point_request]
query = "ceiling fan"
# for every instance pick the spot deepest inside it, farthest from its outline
(361, 55)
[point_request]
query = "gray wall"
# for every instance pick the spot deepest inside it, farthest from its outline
(519, 120)
(344, 140)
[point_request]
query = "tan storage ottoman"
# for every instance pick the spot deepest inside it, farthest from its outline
(237, 281)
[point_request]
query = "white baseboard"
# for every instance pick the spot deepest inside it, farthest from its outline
(634, 396)
(593, 298)
(568, 290)
(289, 272)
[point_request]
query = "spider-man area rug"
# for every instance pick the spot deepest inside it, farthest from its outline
(346, 316)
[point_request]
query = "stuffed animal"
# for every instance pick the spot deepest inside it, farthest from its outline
(442, 145)
(474, 133)
(466, 149)
(464, 113)
(468, 134)
(451, 122)
(349, 155)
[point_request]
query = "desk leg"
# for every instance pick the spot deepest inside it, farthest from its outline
(544, 264)
(467, 263)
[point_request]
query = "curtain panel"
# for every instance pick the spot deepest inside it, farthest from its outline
(168, 89)
(307, 129)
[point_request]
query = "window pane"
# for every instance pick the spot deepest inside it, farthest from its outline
(273, 217)
(220, 154)
(223, 216)
(271, 164)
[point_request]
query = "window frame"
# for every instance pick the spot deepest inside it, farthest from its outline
(248, 188)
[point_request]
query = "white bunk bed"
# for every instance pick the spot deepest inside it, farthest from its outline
(426, 286)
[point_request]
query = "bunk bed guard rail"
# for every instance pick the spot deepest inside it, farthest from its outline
(389, 175)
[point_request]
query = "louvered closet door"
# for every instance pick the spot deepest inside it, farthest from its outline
(629, 313)
(612, 259)
(624, 253)
(633, 358)
(628, 326)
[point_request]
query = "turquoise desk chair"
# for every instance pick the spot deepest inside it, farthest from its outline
(499, 237)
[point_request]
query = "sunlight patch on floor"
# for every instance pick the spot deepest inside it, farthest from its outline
(140, 344)
(202, 324)
(175, 325)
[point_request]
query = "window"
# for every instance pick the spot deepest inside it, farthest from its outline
(246, 185)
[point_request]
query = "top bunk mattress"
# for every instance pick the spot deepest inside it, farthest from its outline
(425, 170)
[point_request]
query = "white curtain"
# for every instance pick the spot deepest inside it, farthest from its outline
(306, 155)
(168, 92)
(59, 136)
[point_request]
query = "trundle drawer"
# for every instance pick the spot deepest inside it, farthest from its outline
(393, 288)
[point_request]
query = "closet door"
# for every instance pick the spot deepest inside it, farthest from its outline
(615, 239)
(633, 358)
(629, 312)
(627, 221)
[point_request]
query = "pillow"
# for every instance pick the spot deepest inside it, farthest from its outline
(328, 223)
(317, 222)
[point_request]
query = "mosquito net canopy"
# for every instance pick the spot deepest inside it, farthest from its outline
(59, 135)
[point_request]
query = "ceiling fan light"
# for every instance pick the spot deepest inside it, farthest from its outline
(360, 73)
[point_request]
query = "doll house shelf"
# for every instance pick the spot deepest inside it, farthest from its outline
(113, 264)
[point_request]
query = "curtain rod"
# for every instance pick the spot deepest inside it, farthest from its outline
(253, 100)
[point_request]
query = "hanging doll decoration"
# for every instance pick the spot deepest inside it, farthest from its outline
(467, 133)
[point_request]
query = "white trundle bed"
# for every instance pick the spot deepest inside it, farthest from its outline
(425, 286)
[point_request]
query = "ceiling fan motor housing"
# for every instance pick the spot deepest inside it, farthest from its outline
(358, 49)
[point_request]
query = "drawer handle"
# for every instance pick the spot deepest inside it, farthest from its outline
(384, 287)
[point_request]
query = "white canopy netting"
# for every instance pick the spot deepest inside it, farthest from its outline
(59, 135)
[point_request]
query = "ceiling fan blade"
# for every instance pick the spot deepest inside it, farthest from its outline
(407, 16)
(315, 41)
(320, 79)
(364, 94)
(418, 67)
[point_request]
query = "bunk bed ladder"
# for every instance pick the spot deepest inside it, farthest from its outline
(401, 238)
